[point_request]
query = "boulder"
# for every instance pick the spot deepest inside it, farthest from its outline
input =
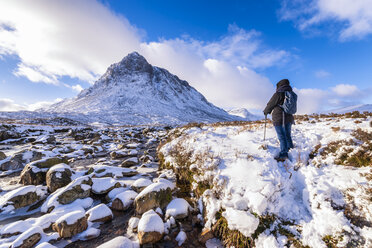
(150, 228)
(129, 162)
(79, 188)
(146, 158)
(112, 171)
(22, 197)
(2, 155)
(178, 208)
(18, 160)
(28, 238)
(140, 184)
(104, 184)
(35, 172)
(71, 224)
(58, 176)
(118, 242)
(155, 195)
(99, 213)
(124, 200)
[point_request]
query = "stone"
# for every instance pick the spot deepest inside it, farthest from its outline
(58, 176)
(129, 162)
(2, 155)
(99, 213)
(22, 197)
(155, 195)
(35, 172)
(124, 200)
(28, 242)
(75, 191)
(71, 224)
(206, 235)
(150, 228)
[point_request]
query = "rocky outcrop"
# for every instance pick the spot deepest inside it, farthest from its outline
(58, 176)
(155, 195)
(71, 224)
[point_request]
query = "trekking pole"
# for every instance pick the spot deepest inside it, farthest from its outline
(265, 128)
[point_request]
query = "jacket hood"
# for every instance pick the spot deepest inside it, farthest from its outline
(283, 85)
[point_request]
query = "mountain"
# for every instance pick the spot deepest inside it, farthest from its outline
(134, 92)
(244, 114)
(361, 108)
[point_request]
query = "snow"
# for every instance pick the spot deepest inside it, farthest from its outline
(98, 212)
(264, 241)
(243, 221)
(16, 227)
(141, 182)
(133, 223)
(181, 238)
(72, 217)
(151, 222)
(128, 95)
(215, 243)
(177, 206)
(59, 167)
(127, 197)
(45, 245)
(117, 172)
(162, 184)
(114, 192)
(245, 178)
(102, 185)
(118, 242)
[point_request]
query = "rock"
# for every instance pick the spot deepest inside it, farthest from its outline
(79, 188)
(8, 132)
(206, 235)
(124, 200)
(45, 139)
(146, 158)
(133, 224)
(2, 155)
(99, 213)
(71, 224)
(118, 242)
(22, 197)
(45, 245)
(178, 208)
(104, 184)
(129, 162)
(58, 176)
(18, 160)
(28, 238)
(150, 228)
(140, 184)
(155, 195)
(113, 171)
(35, 172)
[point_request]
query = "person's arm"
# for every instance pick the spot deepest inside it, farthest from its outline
(271, 104)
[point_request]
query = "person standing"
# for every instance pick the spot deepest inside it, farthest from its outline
(282, 106)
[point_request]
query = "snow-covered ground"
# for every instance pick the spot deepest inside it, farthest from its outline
(316, 198)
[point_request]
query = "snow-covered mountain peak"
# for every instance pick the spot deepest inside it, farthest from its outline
(134, 92)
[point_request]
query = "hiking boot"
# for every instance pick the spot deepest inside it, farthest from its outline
(280, 158)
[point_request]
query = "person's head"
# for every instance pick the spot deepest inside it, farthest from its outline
(283, 82)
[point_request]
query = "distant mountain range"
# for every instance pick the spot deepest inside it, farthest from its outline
(361, 108)
(244, 114)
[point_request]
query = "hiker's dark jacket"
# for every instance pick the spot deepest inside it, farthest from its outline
(277, 99)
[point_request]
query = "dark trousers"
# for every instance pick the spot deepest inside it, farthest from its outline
(285, 139)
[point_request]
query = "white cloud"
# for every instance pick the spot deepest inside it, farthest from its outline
(77, 88)
(346, 90)
(354, 18)
(310, 100)
(322, 74)
(9, 105)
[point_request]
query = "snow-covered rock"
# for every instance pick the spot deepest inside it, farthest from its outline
(28, 239)
(129, 162)
(178, 208)
(140, 184)
(99, 213)
(118, 242)
(71, 224)
(181, 238)
(58, 176)
(150, 228)
(157, 194)
(104, 184)
(124, 200)
(78, 189)
(22, 197)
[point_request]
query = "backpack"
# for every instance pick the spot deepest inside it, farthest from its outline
(290, 102)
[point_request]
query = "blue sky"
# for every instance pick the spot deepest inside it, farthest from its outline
(232, 51)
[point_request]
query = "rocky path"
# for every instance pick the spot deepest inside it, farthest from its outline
(83, 187)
